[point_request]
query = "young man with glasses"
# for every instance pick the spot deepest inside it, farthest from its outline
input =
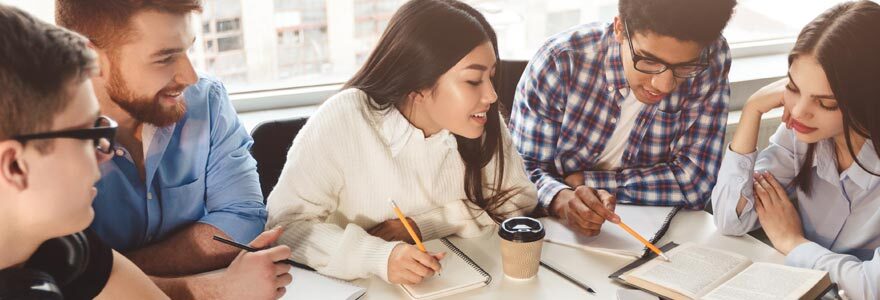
(51, 142)
(628, 112)
(182, 172)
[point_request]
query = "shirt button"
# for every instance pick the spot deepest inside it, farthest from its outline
(149, 196)
(739, 180)
(119, 152)
(610, 88)
(744, 165)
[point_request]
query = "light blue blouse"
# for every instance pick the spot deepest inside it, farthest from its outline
(840, 216)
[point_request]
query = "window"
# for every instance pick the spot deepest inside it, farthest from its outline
(229, 43)
(324, 42)
(228, 25)
(263, 45)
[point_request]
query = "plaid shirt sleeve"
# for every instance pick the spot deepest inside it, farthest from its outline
(536, 119)
(688, 178)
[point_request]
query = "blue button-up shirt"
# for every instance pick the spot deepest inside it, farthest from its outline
(567, 106)
(840, 215)
(197, 170)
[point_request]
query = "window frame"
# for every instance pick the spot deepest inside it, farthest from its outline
(298, 96)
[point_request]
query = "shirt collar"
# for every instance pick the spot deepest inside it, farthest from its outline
(868, 157)
(827, 168)
(397, 131)
(147, 133)
(614, 75)
(158, 144)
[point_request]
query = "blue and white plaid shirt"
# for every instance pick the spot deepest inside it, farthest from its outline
(567, 105)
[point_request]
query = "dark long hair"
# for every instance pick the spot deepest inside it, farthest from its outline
(424, 39)
(844, 39)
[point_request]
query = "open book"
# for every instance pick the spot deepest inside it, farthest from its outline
(700, 272)
(311, 285)
(458, 274)
(649, 221)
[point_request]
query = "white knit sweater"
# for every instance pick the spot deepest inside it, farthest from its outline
(345, 165)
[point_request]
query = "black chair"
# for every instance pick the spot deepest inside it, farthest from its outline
(511, 71)
(272, 139)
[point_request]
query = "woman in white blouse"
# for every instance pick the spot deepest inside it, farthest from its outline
(824, 152)
(418, 124)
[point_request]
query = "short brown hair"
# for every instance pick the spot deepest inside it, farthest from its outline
(38, 62)
(701, 21)
(106, 22)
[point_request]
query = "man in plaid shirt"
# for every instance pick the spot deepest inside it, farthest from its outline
(630, 112)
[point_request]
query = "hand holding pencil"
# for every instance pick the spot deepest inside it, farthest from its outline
(585, 209)
(409, 264)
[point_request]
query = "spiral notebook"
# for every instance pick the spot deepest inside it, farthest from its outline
(649, 221)
(459, 274)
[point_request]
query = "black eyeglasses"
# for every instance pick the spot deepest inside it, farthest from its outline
(652, 66)
(103, 135)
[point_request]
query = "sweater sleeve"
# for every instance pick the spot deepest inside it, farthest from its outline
(466, 219)
(308, 192)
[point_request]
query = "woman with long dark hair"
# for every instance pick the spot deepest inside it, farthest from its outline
(418, 124)
(825, 152)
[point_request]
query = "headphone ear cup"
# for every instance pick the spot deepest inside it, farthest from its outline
(28, 284)
(64, 258)
(79, 256)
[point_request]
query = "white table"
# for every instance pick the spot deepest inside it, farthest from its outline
(591, 268)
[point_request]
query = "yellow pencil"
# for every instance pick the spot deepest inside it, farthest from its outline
(412, 233)
(643, 240)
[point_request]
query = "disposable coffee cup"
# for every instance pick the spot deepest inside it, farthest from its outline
(521, 241)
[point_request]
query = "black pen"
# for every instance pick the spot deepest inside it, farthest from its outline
(569, 278)
(249, 249)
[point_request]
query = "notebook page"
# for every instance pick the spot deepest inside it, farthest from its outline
(456, 275)
(767, 281)
(694, 269)
(311, 285)
(646, 220)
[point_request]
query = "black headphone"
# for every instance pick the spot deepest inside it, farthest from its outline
(56, 263)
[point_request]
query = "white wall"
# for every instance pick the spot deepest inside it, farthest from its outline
(43, 9)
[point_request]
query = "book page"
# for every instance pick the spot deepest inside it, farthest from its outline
(694, 269)
(767, 281)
